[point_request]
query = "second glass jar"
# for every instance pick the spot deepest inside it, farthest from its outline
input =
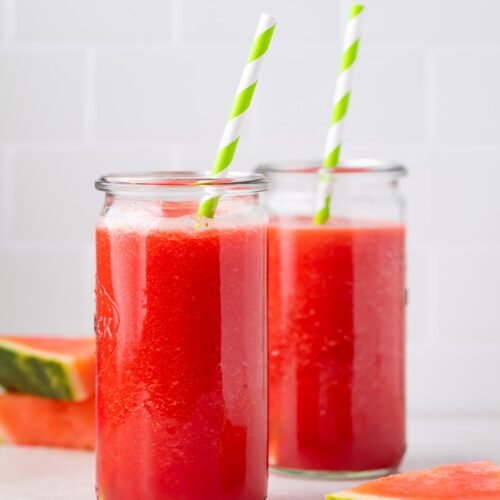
(336, 321)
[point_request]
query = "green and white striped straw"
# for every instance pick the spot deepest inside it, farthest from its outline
(244, 94)
(340, 107)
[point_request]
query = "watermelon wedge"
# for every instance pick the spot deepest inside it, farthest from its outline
(467, 481)
(30, 420)
(50, 367)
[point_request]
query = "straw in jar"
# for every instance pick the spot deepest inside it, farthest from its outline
(340, 107)
(244, 95)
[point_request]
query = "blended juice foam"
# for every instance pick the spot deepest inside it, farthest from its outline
(182, 383)
(336, 344)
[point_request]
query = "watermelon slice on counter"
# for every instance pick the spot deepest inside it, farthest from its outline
(56, 368)
(31, 420)
(466, 481)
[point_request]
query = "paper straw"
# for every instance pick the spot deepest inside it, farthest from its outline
(340, 107)
(244, 94)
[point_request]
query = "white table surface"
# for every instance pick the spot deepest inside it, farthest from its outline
(39, 473)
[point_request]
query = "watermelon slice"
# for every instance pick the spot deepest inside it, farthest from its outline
(467, 481)
(50, 367)
(30, 420)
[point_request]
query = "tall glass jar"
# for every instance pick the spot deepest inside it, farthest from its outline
(181, 339)
(336, 321)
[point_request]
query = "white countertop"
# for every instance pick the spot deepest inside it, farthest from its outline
(39, 473)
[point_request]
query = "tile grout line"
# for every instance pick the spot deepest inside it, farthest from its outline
(88, 269)
(4, 23)
(97, 145)
(176, 23)
(89, 95)
(433, 295)
(10, 22)
(289, 47)
(3, 195)
(429, 336)
(466, 248)
(430, 98)
(6, 206)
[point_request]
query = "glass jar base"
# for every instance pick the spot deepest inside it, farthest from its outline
(333, 474)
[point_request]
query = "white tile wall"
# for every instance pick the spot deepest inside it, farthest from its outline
(109, 21)
(464, 197)
(469, 280)
(222, 21)
(42, 291)
(390, 102)
(431, 23)
(3, 200)
(40, 95)
(448, 379)
(89, 86)
(2, 20)
(163, 95)
(297, 104)
(466, 85)
(420, 284)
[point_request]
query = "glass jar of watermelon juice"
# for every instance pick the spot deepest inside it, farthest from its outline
(181, 339)
(336, 321)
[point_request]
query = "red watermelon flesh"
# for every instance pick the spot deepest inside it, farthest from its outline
(466, 481)
(31, 420)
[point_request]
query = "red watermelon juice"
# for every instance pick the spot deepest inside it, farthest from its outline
(336, 328)
(181, 344)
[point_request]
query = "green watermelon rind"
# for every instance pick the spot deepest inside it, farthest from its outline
(32, 371)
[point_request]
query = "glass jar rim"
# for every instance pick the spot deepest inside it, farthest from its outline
(348, 166)
(160, 181)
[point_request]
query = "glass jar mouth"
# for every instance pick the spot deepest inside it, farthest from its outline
(348, 166)
(182, 181)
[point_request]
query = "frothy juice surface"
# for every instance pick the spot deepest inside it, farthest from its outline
(336, 345)
(181, 345)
